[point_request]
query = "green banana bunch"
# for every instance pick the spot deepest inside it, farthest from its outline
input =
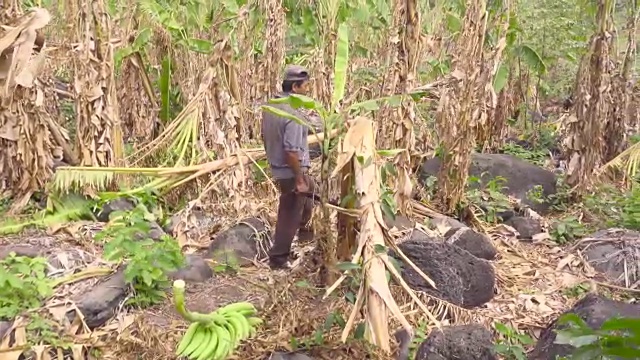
(216, 335)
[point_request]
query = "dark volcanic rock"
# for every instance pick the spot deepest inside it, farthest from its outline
(155, 232)
(240, 244)
(101, 303)
(464, 342)
(460, 277)
(520, 176)
(196, 270)
(594, 310)
(111, 206)
(474, 242)
(501, 216)
(525, 226)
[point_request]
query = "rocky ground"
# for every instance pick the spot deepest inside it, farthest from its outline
(511, 274)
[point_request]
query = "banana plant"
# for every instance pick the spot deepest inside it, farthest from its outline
(369, 17)
(517, 53)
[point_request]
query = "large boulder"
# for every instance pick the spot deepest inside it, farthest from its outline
(594, 309)
(463, 342)
(520, 176)
(615, 253)
(241, 243)
(460, 277)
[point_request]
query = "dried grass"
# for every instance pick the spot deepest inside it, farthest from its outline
(25, 161)
(593, 102)
(460, 102)
(627, 254)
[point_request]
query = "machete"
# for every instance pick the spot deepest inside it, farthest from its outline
(316, 197)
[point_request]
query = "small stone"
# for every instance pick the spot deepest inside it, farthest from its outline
(289, 356)
(464, 342)
(239, 244)
(447, 222)
(154, 233)
(474, 242)
(197, 270)
(525, 226)
(400, 222)
(111, 206)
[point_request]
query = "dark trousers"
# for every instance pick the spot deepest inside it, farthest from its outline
(294, 212)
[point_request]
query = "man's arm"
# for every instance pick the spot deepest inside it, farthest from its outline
(293, 143)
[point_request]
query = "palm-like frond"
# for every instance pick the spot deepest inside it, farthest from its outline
(68, 178)
(65, 180)
(60, 210)
(627, 162)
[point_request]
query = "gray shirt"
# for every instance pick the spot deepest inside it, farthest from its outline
(282, 135)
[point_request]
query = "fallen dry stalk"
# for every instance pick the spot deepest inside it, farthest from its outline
(66, 176)
(358, 154)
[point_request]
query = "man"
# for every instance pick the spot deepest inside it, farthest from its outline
(285, 143)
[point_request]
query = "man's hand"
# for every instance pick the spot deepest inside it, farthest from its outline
(301, 185)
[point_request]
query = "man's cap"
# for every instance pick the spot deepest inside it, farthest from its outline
(296, 73)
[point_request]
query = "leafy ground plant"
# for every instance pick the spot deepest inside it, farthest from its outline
(511, 343)
(491, 199)
(45, 331)
(567, 230)
(148, 261)
(617, 338)
(537, 157)
(23, 285)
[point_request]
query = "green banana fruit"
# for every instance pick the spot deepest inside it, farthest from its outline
(224, 343)
(233, 334)
(198, 338)
(254, 321)
(203, 345)
(186, 339)
(234, 339)
(207, 353)
(245, 307)
(240, 325)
